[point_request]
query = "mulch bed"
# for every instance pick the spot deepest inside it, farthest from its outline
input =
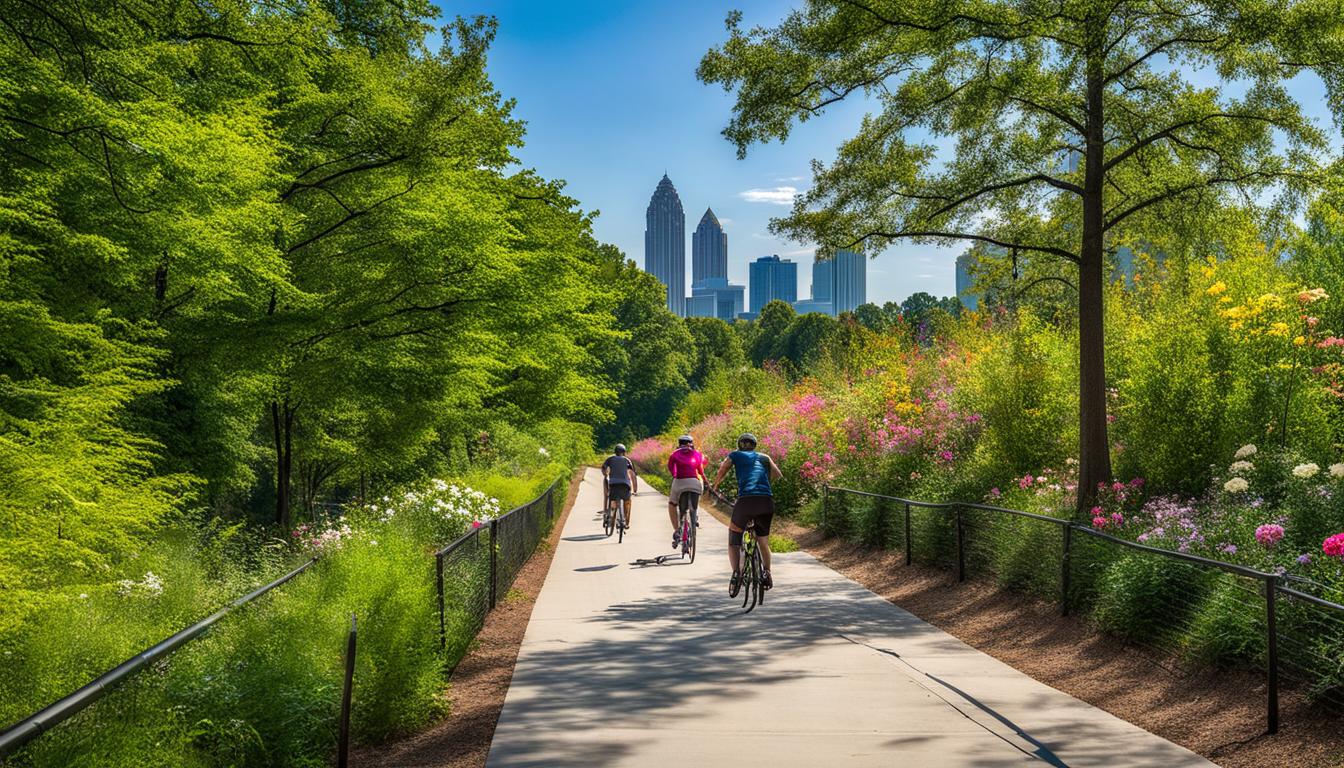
(477, 687)
(1219, 714)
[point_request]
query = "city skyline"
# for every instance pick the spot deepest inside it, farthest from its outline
(665, 243)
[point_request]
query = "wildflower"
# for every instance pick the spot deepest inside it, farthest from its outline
(1300, 341)
(83, 595)
(1314, 294)
(995, 493)
(1246, 451)
(1238, 467)
(1117, 518)
(1334, 546)
(1098, 522)
(1304, 559)
(1304, 471)
(1025, 482)
(1216, 288)
(1269, 534)
(1236, 485)
(1337, 470)
(543, 452)
(1230, 549)
(476, 524)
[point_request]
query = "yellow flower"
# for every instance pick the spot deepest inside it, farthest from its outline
(1216, 288)
(1279, 329)
(1300, 340)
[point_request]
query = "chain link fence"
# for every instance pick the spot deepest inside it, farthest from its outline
(1190, 607)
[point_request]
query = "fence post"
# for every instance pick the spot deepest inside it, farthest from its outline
(961, 546)
(343, 749)
(1066, 570)
(494, 559)
(1272, 635)
(909, 540)
(825, 500)
(438, 576)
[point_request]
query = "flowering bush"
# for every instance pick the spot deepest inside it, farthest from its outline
(1269, 534)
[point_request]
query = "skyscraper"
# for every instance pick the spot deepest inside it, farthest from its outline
(709, 250)
(665, 243)
(823, 279)
(969, 299)
(771, 278)
(851, 280)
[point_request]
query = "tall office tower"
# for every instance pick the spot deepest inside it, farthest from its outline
(709, 250)
(665, 244)
(823, 279)
(969, 300)
(851, 280)
(771, 278)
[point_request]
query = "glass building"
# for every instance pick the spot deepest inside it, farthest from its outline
(665, 244)
(771, 278)
(850, 281)
(709, 250)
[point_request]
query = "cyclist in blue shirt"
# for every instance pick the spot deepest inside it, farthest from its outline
(755, 505)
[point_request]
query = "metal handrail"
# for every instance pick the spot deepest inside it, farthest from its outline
(58, 712)
(911, 502)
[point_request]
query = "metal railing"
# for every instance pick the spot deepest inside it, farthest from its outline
(49, 717)
(482, 571)
(1282, 628)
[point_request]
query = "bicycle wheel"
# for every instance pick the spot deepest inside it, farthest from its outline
(620, 521)
(608, 521)
(690, 534)
(759, 567)
(748, 546)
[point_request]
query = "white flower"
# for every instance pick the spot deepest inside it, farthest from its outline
(1239, 467)
(1236, 485)
(1337, 470)
(1304, 471)
(1247, 451)
(152, 584)
(543, 452)
(83, 595)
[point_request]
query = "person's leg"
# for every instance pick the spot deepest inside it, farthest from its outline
(764, 543)
(672, 514)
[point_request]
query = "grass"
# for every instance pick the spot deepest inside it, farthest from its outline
(263, 687)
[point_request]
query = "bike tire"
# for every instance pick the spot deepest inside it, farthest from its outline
(759, 567)
(608, 522)
(691, 534)
(746, 578)
(620, 524)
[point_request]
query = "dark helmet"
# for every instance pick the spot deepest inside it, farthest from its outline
(746, 437)
(620, 448)
(685, 440)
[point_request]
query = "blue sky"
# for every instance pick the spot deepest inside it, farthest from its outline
(609, 94)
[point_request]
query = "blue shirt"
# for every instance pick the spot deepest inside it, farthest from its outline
(753, 473)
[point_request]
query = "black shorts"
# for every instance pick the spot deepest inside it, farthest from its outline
(618, 491)
(757, 509)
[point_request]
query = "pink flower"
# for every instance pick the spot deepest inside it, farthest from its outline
(1098, 522)
(1117, 486)
(1025, 482)
(1334, 546)
(1098, 512)
(995, 492)
(1117, 518)
(945, 455)
(1269, 534)
(476, 524)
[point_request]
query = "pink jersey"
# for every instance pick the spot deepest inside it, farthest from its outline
(685, 462)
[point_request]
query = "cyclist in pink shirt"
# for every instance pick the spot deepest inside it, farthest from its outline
(687, 467)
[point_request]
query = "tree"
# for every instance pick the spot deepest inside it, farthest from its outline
(717, 347)
(870, 316)
(1074, 124)
(768, 329)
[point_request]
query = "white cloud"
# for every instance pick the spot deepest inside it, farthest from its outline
(791, 178)
(800, 252)
(775, 196)
(724, 221)
(761, 236)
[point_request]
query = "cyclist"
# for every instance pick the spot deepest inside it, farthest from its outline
(687, 468)
(618, 475)
(755, 503)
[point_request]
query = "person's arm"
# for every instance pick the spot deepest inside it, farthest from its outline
(671, 464)
(723, 470)
(634, 479)
(775, 474)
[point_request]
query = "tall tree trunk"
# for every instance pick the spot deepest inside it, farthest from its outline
(282, 425)
(1094, 459)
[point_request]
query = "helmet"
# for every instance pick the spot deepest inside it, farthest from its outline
(685, 440)
(746, 437)
(620, 448)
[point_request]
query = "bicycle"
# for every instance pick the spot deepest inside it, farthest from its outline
(615, 522)
(753, 566)
(688, 508)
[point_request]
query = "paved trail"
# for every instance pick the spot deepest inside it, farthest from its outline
(653, 666)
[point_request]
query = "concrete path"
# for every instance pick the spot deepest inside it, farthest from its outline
(652, 666)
